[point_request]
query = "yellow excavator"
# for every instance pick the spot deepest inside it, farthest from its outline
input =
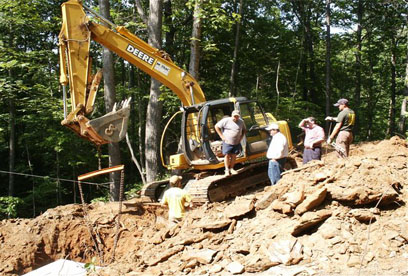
(200, 144)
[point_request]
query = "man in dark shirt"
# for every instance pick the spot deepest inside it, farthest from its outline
(344, 126)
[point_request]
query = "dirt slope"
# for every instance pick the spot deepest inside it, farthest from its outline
(330, 217)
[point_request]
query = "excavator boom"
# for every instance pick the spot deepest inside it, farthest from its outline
(75, 68)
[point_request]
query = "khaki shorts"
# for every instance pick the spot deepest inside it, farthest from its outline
(344, 140)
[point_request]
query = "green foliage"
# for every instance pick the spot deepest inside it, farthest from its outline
(8, 206)
(134, 191)
(100, 199)
(91, 266)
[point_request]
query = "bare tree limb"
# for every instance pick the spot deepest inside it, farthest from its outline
(140, 11)
(277, 86)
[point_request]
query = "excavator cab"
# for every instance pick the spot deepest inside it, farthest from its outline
(201, 145)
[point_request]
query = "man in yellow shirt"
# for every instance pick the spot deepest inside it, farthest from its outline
(177, 199)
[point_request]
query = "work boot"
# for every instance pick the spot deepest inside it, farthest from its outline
(233, 171)
(227, 172)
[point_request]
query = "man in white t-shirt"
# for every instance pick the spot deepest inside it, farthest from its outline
(277, 153)
(231, 130)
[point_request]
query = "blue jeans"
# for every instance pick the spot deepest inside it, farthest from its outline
(312, 154)
(274, 170)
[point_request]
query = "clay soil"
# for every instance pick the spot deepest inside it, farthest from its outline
(334, 217)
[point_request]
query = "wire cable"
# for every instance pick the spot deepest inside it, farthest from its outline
(106, 184)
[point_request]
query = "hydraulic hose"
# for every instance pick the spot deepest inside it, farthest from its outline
(162, 138)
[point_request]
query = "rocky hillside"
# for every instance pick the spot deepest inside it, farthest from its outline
(329, 217)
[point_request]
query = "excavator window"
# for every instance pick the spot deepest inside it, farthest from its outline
(254, 119)
(193, 136)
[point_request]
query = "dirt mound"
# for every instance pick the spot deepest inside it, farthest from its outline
(329, 217)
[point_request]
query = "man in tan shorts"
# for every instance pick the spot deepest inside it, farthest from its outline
(344, 126)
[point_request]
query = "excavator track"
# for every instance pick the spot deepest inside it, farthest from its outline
(151, 191)
(220, 187)
(216, 187)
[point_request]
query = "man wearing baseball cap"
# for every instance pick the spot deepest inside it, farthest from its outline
(344, 126)
(277, 153)
(231, 130)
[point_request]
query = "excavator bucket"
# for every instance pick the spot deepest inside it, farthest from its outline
(112, 127)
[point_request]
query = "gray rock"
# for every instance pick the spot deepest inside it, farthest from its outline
(311, 201)
(309, 220)
(235, 268)
(240, 207)
(204, 256)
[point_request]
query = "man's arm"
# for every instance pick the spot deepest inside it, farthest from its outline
(328, 118)
(218, 130)
(244, 130)
(335, 132)
(165, 199)
(302, 123)
(188, 203)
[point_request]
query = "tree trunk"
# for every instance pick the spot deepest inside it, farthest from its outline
(300, 12)
(406, 60)
(110, 97)
(195, 41)
(154, 108)
(141, 108)
(233, 86)
(328, 63)
(311, 61)
(136, 112)
(304, 82)
(357, 93)
(168, 20)
(12, 126)
(123, 75)
(404, 118)
(12, 145)
(391, 124)
(58, 192)
(371, 100)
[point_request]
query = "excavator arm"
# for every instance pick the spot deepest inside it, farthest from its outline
(75, 69)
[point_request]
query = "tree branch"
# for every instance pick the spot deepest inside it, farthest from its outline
(140, 11)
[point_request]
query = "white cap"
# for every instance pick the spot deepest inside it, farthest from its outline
(235, 113)
(272, 126)
(175, 179)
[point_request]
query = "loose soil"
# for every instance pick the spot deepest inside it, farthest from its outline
(336, 216)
